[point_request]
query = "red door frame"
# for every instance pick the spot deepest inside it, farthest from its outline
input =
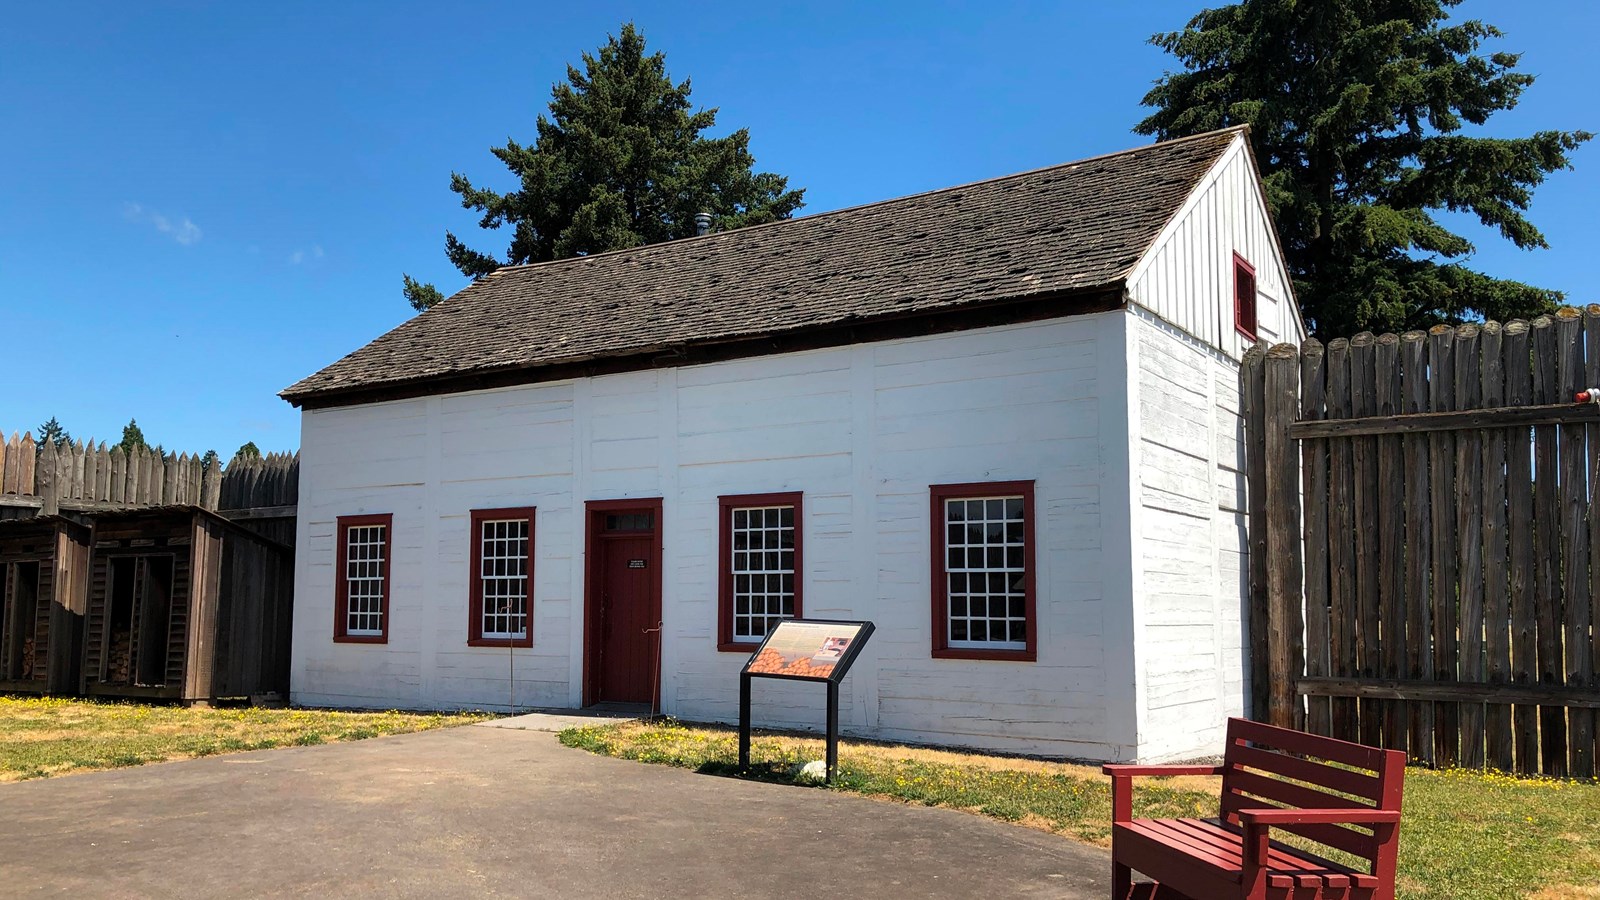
(594, 525)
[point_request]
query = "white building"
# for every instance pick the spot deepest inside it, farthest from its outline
(998, 420)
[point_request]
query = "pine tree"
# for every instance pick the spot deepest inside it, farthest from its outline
(248, 451)
(132, 437)
(208, 460)
(1357, 110)
(51, 432)
(621, 161)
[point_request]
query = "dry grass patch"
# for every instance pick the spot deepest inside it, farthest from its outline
(40, 737)
(1465, 834)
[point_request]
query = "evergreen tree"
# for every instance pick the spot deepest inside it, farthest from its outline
(621, 161)
(132, 437)
(248, 451)
(51, 432)
(208, 460)
(1357, 110)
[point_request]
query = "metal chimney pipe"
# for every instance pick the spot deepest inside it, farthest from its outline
(702, 223)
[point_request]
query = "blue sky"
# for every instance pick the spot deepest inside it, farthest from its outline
(202, 203)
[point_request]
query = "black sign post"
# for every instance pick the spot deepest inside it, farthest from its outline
(804, 650)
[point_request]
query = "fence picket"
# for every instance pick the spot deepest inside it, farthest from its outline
(1286, 577)
(1253, 374)
(1314, 467)
(1591, 339)
(1364, 402)
(1341, 538)
(1469, 544)
(1574, 543)
(1547, 547)
(1442, 503)
(1496, 605)
(1419, 543)
(1391, 540)
(1519, 535)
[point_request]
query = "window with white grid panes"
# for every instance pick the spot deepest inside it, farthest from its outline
(760, 553)
(500, 598)
(985, 570)
(366, 561)
(503, 578)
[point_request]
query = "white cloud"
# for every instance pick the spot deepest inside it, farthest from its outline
(182, 230)
(300, 256)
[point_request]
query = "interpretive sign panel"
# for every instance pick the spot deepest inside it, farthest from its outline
(809, 649)
(804, 650)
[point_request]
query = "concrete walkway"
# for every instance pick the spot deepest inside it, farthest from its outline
(479, 810)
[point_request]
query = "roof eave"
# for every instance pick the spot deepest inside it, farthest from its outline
(1083, 300)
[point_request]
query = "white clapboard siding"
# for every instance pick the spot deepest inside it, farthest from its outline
(1189, 540)
(862, 431)
(1186, 277)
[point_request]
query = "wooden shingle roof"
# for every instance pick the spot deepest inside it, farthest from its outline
(1050, 233)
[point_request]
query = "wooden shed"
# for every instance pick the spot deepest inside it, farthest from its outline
(44, 564)
(185, 605)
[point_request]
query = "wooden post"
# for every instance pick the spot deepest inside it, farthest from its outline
(1253, 373)
(1391, 635)
(1284, 566)
(1547, 546)
(1469, 543)
(1368, 508)
(1575, 544)
(1342, 550)
(1314, 466)
(49, 481)
(1519, 540)
(1496, 590)
(1442, 503)
(1591, 333)
(1419, 544)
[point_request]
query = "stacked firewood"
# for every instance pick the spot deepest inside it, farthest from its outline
(27, 658)
(119, 663)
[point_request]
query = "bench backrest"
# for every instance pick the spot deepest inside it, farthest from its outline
(1268, 767)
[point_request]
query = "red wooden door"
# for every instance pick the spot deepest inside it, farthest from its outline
(628, 627)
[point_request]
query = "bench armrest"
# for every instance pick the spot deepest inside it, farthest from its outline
(1271, 817)
(1258, 822)
(1119, 770)
(1122, 783)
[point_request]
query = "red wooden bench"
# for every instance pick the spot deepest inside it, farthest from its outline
(1271, 778)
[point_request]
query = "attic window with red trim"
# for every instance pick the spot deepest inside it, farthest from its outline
(1244, 297)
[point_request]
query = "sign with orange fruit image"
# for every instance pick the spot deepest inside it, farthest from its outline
(810, 649)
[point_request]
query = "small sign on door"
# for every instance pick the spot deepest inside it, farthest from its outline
(635, 563)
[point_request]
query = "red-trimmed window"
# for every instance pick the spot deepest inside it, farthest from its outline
(1244, 297)
(361, 589)
(758, 567)
(983, 563)
(501, 592)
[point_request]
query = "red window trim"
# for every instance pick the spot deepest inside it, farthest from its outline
(475, 636)
(341, 582)
(938, 494)
(1248, 329)
(725, 507)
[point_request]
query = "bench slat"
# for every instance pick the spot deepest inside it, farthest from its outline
(1286, 793)
(1331, 749)
(1338, 837)
(1221, 847)
(1342, 780)
(1227, 851)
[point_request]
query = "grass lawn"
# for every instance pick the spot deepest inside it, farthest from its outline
(44, 737)
(1465, 834)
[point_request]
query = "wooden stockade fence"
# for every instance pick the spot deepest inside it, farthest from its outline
(84, 478)
(1425, 541)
